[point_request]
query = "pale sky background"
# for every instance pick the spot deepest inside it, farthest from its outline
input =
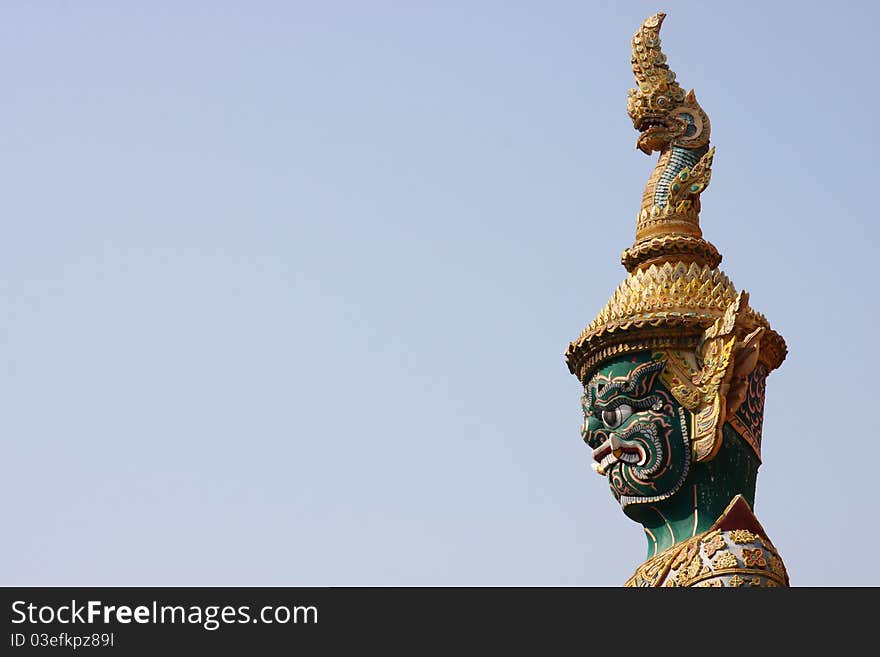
(286, 287)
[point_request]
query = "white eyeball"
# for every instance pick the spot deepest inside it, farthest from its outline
(614, 418)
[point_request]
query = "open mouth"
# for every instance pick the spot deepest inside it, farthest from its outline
(650, 124)
(614, 450)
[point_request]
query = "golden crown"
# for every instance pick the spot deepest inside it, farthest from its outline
(674, 293)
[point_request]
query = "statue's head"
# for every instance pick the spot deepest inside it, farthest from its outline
(637, 430)
(649, 442)
(659, 108)
(652, 416)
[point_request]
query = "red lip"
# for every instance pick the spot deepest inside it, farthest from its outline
(601, 452)
(616, 446)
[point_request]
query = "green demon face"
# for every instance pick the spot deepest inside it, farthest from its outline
(637, 430)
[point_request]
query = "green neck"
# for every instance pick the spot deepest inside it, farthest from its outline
(702, 498)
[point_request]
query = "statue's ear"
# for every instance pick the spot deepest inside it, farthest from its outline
(725, 362)
(745, 360)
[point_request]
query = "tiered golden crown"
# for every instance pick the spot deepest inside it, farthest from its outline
(674, 290)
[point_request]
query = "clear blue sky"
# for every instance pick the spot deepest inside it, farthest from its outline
(286, 287)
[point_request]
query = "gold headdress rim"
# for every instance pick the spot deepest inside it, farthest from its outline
(665, 306)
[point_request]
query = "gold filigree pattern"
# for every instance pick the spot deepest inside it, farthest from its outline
(671, 305)
(652, 571)
(713, 545)
(685, 247)
(684, 564)
(742, 536)
(754, 558)
(724, 560)
(694, 567)
(686, 555)
(690, 292)
(674, 124)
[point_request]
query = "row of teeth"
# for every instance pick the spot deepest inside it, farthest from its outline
(610, 459)
(652, 124)
(599, 467)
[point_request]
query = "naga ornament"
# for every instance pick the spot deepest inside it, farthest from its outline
(674, 366)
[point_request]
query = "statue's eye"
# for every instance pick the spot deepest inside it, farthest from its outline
(614, 418)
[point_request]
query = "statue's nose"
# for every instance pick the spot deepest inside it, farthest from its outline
(616, 445)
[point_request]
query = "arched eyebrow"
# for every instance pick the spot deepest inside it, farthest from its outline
(635, 384)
